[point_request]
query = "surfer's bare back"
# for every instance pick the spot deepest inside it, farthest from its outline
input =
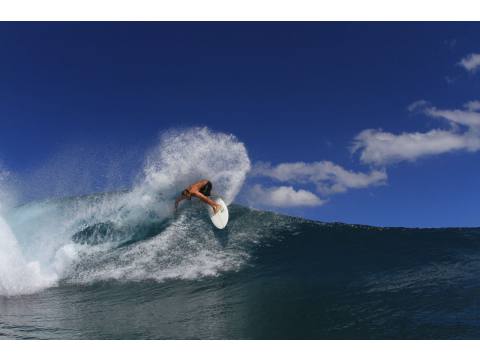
(201, 189)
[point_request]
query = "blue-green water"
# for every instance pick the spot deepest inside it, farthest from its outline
(110, 272)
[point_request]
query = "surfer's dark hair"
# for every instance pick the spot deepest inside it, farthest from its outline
(206, 189)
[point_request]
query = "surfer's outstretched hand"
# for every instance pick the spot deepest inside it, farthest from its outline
(217, 208)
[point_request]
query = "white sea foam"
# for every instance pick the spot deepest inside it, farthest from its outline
(17, 275)
(36, 240)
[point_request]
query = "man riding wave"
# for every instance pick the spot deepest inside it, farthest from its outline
(201, 190)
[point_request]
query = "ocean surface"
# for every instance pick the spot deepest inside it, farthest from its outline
(266, 276)
(123, 265)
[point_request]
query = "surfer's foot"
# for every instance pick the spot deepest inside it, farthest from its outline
(217, 208)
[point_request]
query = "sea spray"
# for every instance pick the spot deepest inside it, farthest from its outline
(130, 235)
(17, 275)
(183, 157)
(186, 247)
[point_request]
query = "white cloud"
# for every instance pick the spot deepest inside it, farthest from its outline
(470, 119)
(472, 105)
(416, 105)
(470, 62)
(328, 177)
(381, 148)
(283, 196)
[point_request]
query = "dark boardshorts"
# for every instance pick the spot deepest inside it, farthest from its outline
(206, 189)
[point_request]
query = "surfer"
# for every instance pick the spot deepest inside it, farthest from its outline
(201, 189)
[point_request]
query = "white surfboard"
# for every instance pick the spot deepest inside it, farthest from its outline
(220, 219)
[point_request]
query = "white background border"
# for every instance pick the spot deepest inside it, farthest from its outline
(377, 10)
(239, 350)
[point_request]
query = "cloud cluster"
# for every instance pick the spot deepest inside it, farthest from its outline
(327, 177)
(458, 130)
(377, 147)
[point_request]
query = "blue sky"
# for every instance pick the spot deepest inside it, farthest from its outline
(300, 96)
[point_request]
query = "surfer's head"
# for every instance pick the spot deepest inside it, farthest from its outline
(187, 194)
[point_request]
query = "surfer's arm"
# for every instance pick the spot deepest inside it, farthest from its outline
(204, 198)
(178, 199)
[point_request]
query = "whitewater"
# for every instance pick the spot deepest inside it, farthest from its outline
(80, 239)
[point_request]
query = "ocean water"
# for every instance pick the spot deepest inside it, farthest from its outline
(266, 276)
(123, 265)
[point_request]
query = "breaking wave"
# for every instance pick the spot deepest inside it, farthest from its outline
(131, 235)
